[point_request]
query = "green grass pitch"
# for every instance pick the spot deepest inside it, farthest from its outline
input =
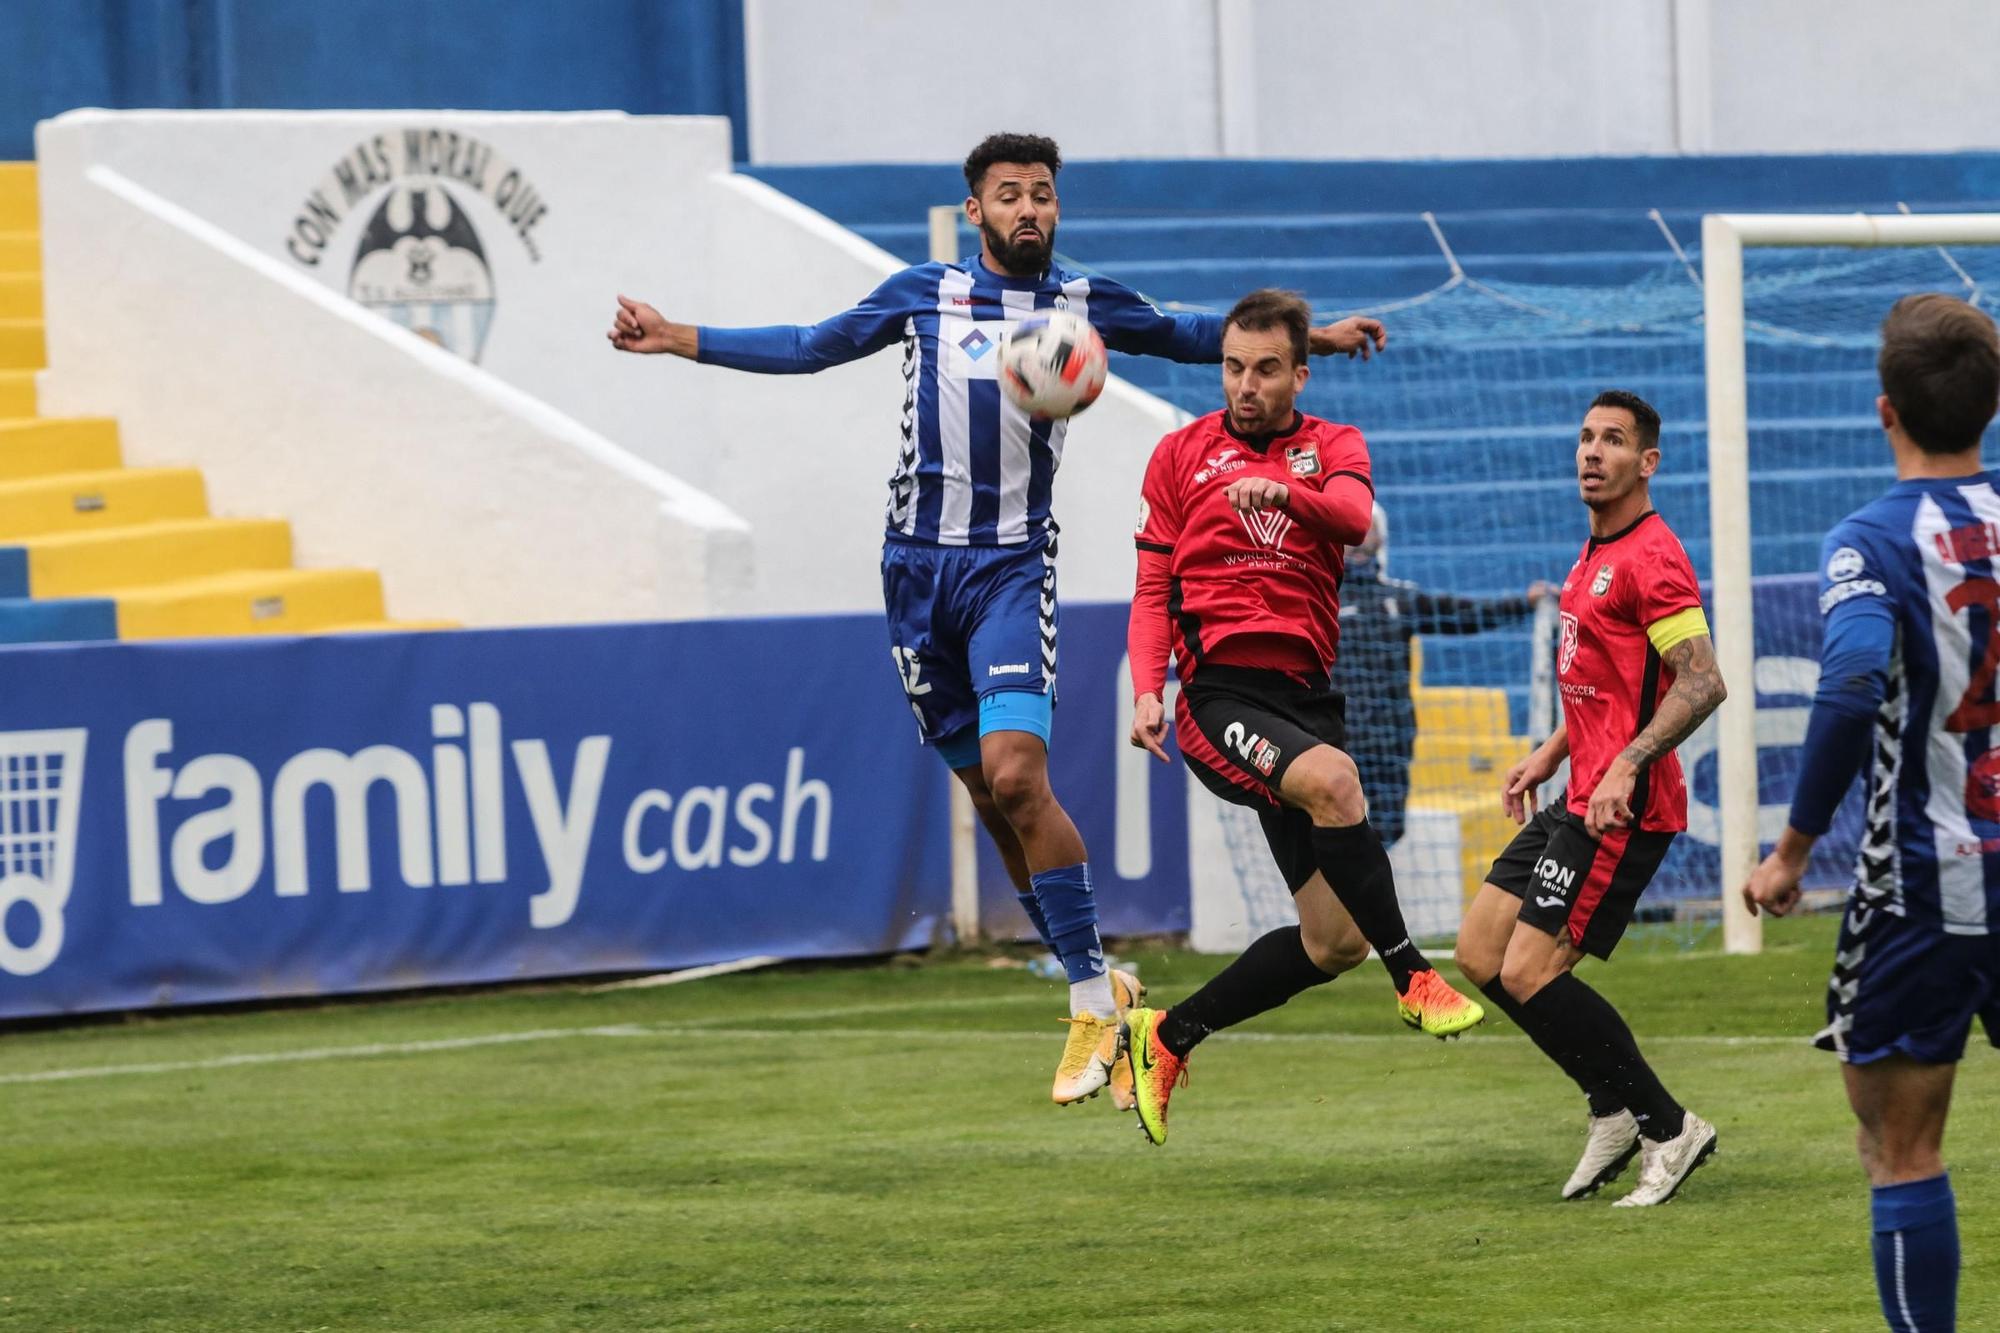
(872, 1148)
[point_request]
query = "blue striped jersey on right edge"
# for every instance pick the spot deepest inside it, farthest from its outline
(1926, 552)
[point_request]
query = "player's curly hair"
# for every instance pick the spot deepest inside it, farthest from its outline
(1940, 367)
(1644, 416)
(1273, 308)
(1024, 148)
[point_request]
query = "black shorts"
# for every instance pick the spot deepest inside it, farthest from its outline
(1254, 724)
(1569, 881)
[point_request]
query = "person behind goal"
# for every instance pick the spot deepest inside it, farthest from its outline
(1244, 520)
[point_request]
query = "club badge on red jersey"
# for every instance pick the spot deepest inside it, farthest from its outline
(1303, 459)
(1602, 583)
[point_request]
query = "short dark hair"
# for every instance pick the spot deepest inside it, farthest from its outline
(1643, 414)
(1272, 308)
(1940, 367)
(1028, 148)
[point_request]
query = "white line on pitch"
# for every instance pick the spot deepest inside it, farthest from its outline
(314, 1054)
(629, 1030)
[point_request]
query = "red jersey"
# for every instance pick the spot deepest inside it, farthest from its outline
(1611, 677)
(1269, 580)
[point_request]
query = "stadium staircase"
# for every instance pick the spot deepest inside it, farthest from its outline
(1354, 236)
(91, 549)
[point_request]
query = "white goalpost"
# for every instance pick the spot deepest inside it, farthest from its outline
(1723, 239)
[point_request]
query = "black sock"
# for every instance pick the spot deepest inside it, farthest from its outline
(1271, 971)
(1579, 1018)
(1603, 1101)
(1356, 867)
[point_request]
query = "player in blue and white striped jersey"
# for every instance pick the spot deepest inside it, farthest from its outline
(1910, 595)
(968, 563)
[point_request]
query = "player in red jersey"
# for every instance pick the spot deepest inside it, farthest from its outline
(1244, 520)
(1637, 674)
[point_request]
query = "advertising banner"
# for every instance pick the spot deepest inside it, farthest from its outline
(203, 821)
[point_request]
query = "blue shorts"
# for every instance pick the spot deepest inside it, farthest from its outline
(972, 630)
(1903, 988)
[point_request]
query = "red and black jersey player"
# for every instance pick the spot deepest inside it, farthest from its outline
(1637, 674)
(1244, 520)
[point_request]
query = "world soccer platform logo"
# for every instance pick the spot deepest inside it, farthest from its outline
(41, 791)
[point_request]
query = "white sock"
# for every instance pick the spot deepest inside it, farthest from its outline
(1093, 997)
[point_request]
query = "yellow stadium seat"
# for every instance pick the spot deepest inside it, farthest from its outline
(78, 564)
(17, 394)
(40, 448)
(281, 601)
(77, 501)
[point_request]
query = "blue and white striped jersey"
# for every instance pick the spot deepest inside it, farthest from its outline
(1917, 573)
(971, 468)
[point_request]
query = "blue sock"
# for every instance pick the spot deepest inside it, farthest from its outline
(1916, 1254)
(1069, 920)
(1034, 911)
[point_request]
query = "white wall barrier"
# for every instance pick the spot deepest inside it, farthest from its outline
(478, 502)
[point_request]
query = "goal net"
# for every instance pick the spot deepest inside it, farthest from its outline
(1471, 418)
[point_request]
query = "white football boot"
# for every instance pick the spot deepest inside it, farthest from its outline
(1613, 1143)
(1663, 1166)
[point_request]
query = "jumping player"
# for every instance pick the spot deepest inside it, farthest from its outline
(1637, 673)
(969, 561)
(1912, 630)
(1244, 520)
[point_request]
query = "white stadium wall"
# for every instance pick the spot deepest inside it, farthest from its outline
(1424, 78)
(606, 203)
(478, 503)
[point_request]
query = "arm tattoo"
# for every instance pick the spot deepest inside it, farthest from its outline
(1696, 691)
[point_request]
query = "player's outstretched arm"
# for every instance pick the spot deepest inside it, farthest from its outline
(637, 327)
(1696, 692)
(779, 349)
(1448, 613)
(1357, 335)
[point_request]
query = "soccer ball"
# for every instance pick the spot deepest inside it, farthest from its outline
(1053, 365)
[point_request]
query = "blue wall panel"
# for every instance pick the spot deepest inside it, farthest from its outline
(646, 56)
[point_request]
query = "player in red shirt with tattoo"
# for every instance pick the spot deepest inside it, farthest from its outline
(1637, 674)
(1244, 522)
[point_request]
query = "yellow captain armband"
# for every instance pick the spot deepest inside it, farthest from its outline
(1677, 628)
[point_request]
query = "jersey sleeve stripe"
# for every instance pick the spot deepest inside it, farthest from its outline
(1160, 547)
(1361, 477)
(1677, 629)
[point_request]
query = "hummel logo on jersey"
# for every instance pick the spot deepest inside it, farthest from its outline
(1267, 527)
(1014, 669)
(976, 344)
